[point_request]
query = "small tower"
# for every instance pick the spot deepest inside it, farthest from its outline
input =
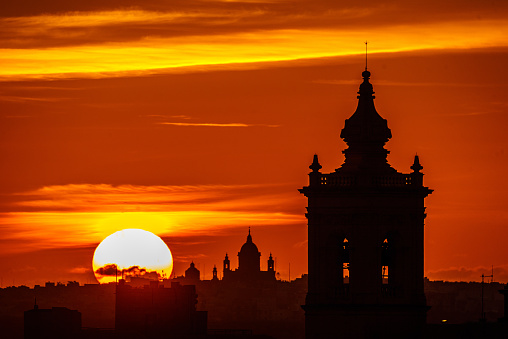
(214, 273)
(271, 264)
(226, 265)
(365, 237)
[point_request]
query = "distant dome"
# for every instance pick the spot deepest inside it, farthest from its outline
(249, 248)
(248, 257)
(192, 272)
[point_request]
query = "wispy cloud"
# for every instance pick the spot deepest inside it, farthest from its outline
(80, 270)
(214, 124)
(381, 82)
(132, 198)
(28, 99)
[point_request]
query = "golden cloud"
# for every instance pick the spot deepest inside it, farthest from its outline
(159, 52)
(83, 215)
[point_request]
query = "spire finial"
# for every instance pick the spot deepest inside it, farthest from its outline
(249, 237)
(315, 166)
(366, 42)
(416, 167)
(366, 73)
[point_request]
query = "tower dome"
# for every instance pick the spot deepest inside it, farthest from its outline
(366, 133)
(249, 256)
(192, 272)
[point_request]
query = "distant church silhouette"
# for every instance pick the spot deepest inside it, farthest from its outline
(249, 268)
(365, 233)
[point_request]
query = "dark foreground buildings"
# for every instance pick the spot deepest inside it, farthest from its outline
(155, 311)
(53, 323)
(365, 232)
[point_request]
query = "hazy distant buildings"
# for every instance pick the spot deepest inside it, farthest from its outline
(365, 237)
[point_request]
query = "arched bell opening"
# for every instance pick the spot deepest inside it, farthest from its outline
(385, 261)
(344, 258)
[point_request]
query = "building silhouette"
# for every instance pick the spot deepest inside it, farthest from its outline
(365, 233)
(504, 292)
(249, 265)
(54, 323)
(155, 311)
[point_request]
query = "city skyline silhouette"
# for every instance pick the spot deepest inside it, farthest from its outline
(198, 121)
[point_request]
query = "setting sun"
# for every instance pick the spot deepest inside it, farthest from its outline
(132, 252)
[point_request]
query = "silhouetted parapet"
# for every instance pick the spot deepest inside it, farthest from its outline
(336, 180)
(339, 179)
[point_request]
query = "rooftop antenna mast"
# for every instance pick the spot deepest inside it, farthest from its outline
(483, 319)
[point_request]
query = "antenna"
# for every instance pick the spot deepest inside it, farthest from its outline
(366, 42)
(482, 318)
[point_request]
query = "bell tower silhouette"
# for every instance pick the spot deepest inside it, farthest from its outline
(365, 237)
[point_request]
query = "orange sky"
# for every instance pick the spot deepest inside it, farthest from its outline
(197, 119)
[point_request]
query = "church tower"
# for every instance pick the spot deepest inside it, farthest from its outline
(365, 233)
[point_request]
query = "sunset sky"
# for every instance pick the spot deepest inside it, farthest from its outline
(197, 119)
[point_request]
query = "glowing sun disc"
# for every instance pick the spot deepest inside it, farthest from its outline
(132, 252)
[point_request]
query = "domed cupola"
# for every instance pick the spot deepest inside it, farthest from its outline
(192, 272)
(249, 256)
(366, 133)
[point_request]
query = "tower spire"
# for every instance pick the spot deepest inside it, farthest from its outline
(365, 133)
(366, 42)
(249, 237)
